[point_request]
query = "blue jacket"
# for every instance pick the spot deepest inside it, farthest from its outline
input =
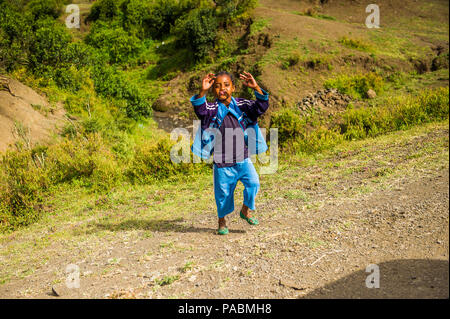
(211, 116)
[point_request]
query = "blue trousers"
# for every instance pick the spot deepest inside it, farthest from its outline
(225, 180)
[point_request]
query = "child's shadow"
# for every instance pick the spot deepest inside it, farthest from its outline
(156, 226)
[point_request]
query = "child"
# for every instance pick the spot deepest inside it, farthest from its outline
(231, 159)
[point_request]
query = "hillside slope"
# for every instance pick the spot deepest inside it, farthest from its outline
(411, 36)
(26, 116)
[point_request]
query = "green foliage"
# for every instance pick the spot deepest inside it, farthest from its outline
(109, 82)
(197, 31)
(355, 44)
(38, 9)
(357, 85)
(314, 133)
(162, 16)
(50, 47)
(135, 14)
(86, 159)
(71, 78)
(258, 25)
(152, 162)
(15, 38)
(400, 113)
(230, 9)
(114, 41)
(22, 183)
(289, 125)
(302, 134)
(104, 10)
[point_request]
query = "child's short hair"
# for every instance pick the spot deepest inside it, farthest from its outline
(226, 73)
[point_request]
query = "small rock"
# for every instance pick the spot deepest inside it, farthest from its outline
(371, 94)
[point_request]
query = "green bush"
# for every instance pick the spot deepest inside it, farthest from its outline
(231, 9)
(82, 55)
(22, 184)
(16, 37)
(289, 125)
(38, 9)
(104, 10)
(87, 159)
(297, 133)
(71, 78)
(357, 85)
(197, 31)
(135, 12)
(303, 134)
(152, 162)
(399, 113)
(109, 82)
(114, 41)
(49, 49)
(162, 15)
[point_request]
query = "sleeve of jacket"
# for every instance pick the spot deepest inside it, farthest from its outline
(199, 105)
(255, 108)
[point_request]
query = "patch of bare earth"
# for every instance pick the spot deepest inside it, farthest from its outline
(25, 115)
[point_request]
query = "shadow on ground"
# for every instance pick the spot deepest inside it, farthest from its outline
(408, 278)
(174, 225)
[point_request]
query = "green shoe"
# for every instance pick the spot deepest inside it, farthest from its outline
(223, 231)
(251, 220)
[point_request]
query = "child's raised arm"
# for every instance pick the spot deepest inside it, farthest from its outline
(254, 109)
(207, 82)
(199, 100)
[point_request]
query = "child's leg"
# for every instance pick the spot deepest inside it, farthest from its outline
(225, 180)
(249, 177)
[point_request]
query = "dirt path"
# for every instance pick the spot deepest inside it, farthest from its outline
(321, 226)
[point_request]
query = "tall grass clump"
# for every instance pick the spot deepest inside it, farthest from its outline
(357, 44)
(152, 162)
(297, 133)
(357, 85)
(301, 134)
(22, 185)
(398, 114)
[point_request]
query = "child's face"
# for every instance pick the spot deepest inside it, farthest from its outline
(223, 88)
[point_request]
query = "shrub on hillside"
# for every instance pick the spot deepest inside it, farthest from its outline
(104, 10)
(49, 49)
(399, 113)
(15, 38)
(22, 184)
(114, 41)
(311, 134)
(88, 160)
(38, 9)
(152, 162)
(357, 85)
(109, 82)
(197, 31)
(230, 9)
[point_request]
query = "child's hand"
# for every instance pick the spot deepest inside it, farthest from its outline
(249, 80)
(208, 81)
